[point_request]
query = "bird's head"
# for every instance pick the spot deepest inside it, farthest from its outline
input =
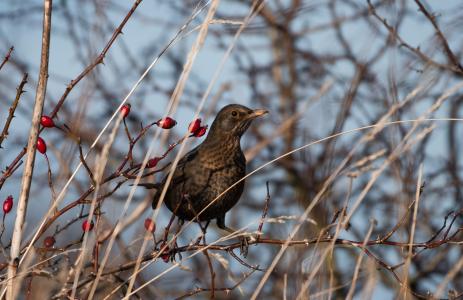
(234, 119)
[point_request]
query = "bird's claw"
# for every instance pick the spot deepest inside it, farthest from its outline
(168, 254)
(170, 257)
(244, 245)
(245, 240)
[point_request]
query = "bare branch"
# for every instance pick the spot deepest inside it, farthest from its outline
(7, 57)
(31, 146)
(12, 109)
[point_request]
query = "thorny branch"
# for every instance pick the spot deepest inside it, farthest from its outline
(12, 109)
(75, 81)
(394, 34)
(7, 57)
(445, 44)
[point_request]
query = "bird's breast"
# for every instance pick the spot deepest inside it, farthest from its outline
(223, 155)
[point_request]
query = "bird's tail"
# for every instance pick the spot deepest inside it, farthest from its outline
(149, 186)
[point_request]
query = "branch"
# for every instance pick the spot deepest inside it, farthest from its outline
(451, 56)
(29, 167)
(96, 62)
(75, 81)
(394, 34)
(19, 92)
(264, 213)
(7, 57)
(226, 290)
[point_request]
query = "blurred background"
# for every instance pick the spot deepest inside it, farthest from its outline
(320, 68)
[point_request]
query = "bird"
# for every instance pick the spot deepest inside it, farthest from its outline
(200, 186)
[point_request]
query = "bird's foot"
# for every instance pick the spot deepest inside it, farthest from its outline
(169, 252)
(169, 256)
(244, 245)
(198, 240)
(245, 240)
(244, 237)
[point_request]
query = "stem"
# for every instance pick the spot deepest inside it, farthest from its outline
(19, 92)
(29, 165)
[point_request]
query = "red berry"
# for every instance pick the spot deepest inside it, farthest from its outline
(41, 145)
(49, 241)
(125, 110)
(166, 123)
(150, 225)
(46, 121)
(165, 255)
(194, 126)
(8, 204)
(153, 162)
(86, 226)
(200, 132)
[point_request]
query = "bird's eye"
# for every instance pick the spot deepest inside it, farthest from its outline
(234, 113)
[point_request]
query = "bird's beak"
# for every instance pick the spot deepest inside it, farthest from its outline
(257, 113)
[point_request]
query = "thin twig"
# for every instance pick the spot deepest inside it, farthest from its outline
(211, 270)
(84, 163)
(412, 231)
(19, 92)
(264, 213)
(226, 290)
(393, 32)
(76, 80)
(96, 62)
(350, 294)
(50, 182)
(7, 57)
(451, 56)
(238, 259)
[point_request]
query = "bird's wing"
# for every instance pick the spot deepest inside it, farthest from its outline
(183, 165)
(179, 174)
(191, 177)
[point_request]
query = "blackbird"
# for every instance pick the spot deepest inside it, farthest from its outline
(210, 169)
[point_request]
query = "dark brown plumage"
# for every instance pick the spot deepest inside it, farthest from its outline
(211, 168)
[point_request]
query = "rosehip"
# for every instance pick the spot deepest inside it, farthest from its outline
(150, 225)
(194, 126)
(166, 123)
(46, 121)
(8, 204)
(200, 132)
(165, 255)
(125, 110)
(41, 145)
(86, 226)
(153, 162)
(49, 241)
